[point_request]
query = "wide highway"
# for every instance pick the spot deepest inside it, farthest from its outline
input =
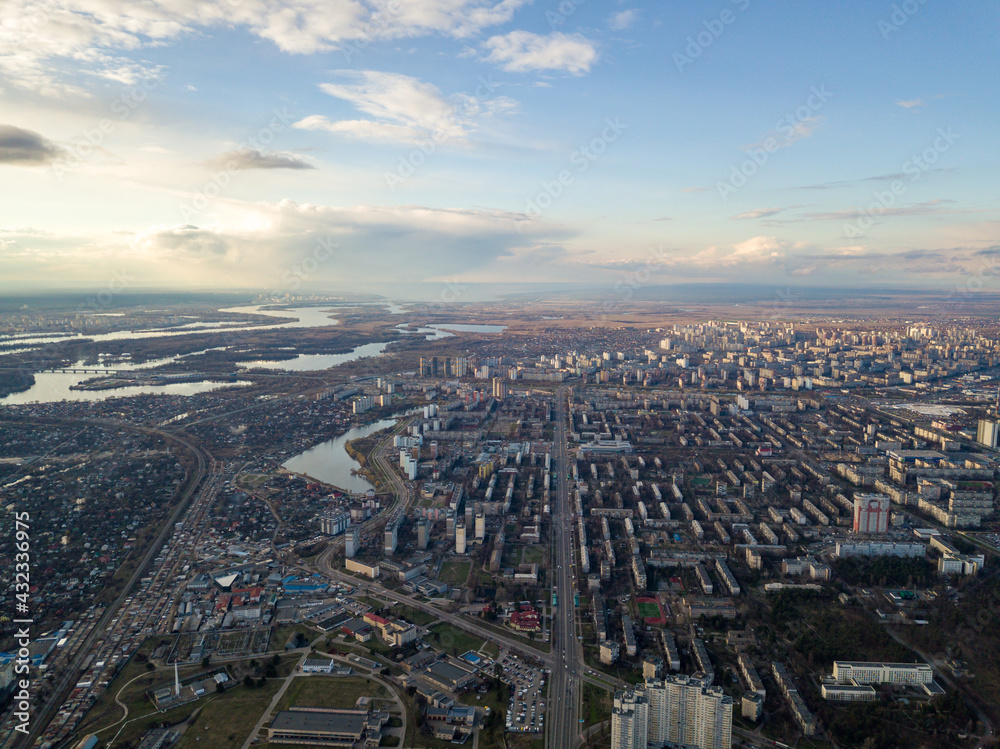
(568, 670)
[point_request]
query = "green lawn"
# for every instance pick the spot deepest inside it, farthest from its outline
(375, 603)
(491, 649)
(229, 717)
(483, 577)
(330, 691)
(596, 704)
(534, 554)
(453, 640)
(227, 720)
(283, 634)
(416, 616)
(455, 573)
(378, 647)
(496, 699)
(106, 711)
(104, 717)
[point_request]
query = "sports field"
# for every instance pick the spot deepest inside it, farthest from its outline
(650, 610)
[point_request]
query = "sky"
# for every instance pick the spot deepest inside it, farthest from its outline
(310, 145)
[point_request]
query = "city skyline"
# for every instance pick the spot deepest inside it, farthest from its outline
(397, 142)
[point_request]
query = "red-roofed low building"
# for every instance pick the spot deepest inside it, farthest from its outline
(376, 620)
(526, 621)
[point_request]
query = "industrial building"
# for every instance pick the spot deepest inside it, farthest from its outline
(325, 727)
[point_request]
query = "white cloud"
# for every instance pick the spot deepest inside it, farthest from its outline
(254, 244)
(926, 208)
(756, 213)
(399, 99)
(250, 158)
(737, 262)
(523, 51)
(623, 20)
(459, 18)
(39, 42)
(754, 251)
(910, 103)
(803, 129)
(405, 109)
(363, 129)
(180, 242)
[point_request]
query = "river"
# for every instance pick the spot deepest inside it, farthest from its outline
(329, 462)
(317, 362)
(52, 387)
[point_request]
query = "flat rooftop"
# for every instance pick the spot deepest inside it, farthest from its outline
(448, 671)
(321, 721)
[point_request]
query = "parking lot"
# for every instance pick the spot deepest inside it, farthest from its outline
(526, 709)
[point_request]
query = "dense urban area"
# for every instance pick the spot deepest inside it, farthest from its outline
(355, 523)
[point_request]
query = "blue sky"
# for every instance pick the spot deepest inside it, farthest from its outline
(197, 144)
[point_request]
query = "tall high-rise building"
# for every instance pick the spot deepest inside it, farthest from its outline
(392, 534)
(353, 542)
(423, 533)
(679, 711)
(629, 721)
(480, 526)
(460, 541)
(499, 388)
(987, 433)
(335, 523)
(871, 513)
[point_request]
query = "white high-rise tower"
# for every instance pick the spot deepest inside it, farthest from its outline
(677, 710)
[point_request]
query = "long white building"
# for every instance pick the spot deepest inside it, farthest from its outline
(846, 672)
(678, 710)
